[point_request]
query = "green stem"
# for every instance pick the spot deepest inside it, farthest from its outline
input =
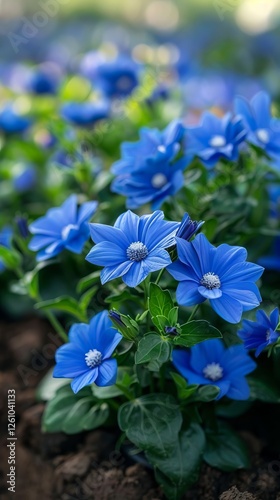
(56, 325)
(159, 276)
(193, 313)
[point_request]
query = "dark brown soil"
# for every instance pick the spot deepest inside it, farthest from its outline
(87, 466)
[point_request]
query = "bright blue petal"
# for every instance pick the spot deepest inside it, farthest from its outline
(128, 223)
(112, 272)
(188, 256)
(215, 293)
(39, 242)
(205, 252)
(274, 318)
(239, 389)
(79, 335)
(86, 379)
(228, 308)
(157, 259)
(136, 274)
(107, 373)
(103, 336)
(187, 293)
(261, 104)
(102, 232)
(86, 211)
(178, 270)
(107, 254)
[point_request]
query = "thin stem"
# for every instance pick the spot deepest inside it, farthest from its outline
(193, 313)
(56, 325)
(159, 276)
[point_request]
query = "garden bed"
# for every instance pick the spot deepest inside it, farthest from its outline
(87, 465)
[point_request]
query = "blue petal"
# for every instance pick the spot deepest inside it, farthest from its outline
(102, 232)
(223, 385)
(246, 293)
(236, 361)
(209, 351)
(239, 389)
(187, 293)
(112, 272)
(227, 256)
(40, 241)
(245, 271)
(107, 373)
(107, 254)
(69, 208)
(86, 379)
(136, 274)
(103, 335)
(76, 244)
(45, 226)
(70, 361)
(157, 259)
(128, 222)
(154, 231)
(178, 270)
(274, 318)
(188, 256)
(261, 104)
(215, 293)
(228, 308)
(86, 211)
(79, 335)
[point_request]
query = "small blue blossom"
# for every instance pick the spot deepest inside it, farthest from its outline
(25, 179)
(220, 274)
(263, 130)
(11, 122)
(133, 248)
(188, 228)
(149, 170)
(216, 138)
(65, 227)
(85, 114)
(5, 241)
(261, 333)
(117, 78)
(87, 358)
(42, 81)
(211, 363)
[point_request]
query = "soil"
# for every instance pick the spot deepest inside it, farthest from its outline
(87, 466)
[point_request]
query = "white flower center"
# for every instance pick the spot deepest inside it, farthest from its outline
(217, 141)
(137, 251)
(66, 230)
(213, 371)
(263, 135)
(93, 358)
(161, 149)
(159, 180)
(210, 281)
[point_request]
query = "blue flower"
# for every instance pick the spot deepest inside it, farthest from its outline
(25, 179)
(188, 228)
(87, 358)
(220, 274)
(149, 170)
(263, 129)
(85, 114)
(133, 248)
(65, 227)
(11, 122)
(116, 78)
(154, 146)
(211, 363)
(5, 241)
(216, 138)
(42, 81)
(261, 333)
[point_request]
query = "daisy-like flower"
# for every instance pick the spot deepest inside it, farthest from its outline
(220, 274)
(261, 333)
(211, 363)
(263, 129)
(133, 248)
(87, 358)
(64, 227)
(216, 138)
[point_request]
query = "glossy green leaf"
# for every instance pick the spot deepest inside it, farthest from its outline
(152, 348)
(196, 331)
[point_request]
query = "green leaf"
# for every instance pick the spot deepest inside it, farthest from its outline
(180, 469)
(9, 257)
(173, 316)
(196, 331)
(73, 413)
(49, 385)
(184, 390)
(225, 449)
(65, 304)
(206, 393)
(121, 297)
(152, 348)
(263, 389)
(151, 422)
(160, 301)
(88, 281)
(124, 379)
(85, 299)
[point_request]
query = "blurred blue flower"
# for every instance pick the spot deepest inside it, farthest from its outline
(26, 179)
(271, 261)
(263, 130)
(11, 122)
(149, 170)
(188, 227)
(211, 363)
(65, 227)
(160, 93)
(220, 274)
(261, 333)
(216, 138)
(5, 241)
(87, 358)
(133, 248)
(85, 114)
(116, 78)
(42, 81)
